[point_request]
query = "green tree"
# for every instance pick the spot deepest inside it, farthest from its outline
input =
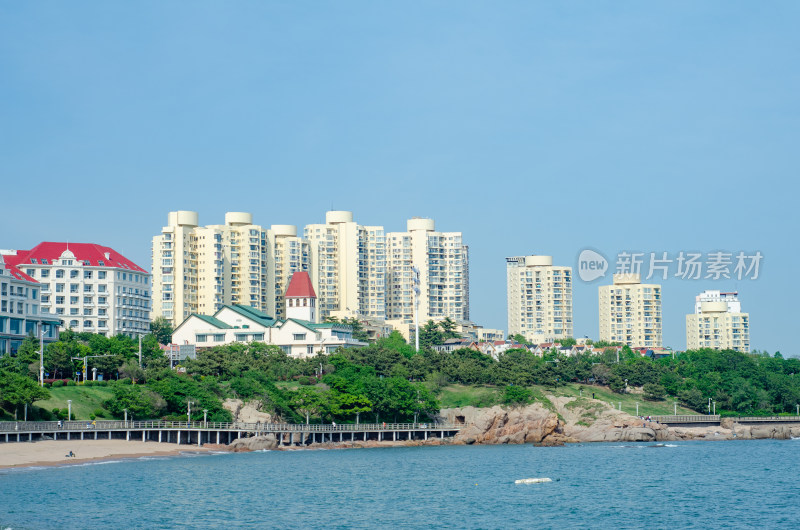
(17, 390)
(430, 335)
(448, 328)
(653, 392)
(161, 328)
(516, 395)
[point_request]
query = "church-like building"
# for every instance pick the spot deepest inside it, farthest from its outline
(299, 335)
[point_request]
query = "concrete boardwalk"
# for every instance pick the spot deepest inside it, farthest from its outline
(198, 433)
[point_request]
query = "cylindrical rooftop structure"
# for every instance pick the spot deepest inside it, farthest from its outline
(538, 261)
(419, 223)
(238, 218)
(284, 230)
(713, 307)
(338, 216)
(182, 218)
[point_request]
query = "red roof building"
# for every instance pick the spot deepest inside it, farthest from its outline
(89, 254)
(300, 286)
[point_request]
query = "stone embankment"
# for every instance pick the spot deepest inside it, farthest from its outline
(559, 421)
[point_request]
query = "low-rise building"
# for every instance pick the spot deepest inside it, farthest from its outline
(298, 335)
(20, 310)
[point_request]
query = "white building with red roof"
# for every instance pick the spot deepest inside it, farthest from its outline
(89, 287)
(20, 310)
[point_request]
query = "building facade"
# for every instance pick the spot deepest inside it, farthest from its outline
(539, 298)
(89, 287)
(20, 310)
(442, 260)
(630, 312)
(348, 266)
(198, 269)
(718, 323)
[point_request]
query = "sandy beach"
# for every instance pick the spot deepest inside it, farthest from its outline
(53, 453)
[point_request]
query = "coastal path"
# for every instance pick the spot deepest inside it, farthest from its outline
(705, 420)
(199, 432)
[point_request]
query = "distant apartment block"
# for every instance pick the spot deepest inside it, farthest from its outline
(539, 298)
(718, 323)
(198, 269)
(630, 312)
(20, 310)
(442, 259)
(348, 266)
(89, 287)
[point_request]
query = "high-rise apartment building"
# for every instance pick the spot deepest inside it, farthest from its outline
(539, 298)
(348, 266)
(718, 322)
(442, 259)
(290, 253)
(630, 312)
(198, 269)
(89, 287)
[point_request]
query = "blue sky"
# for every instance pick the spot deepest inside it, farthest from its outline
(532, 127)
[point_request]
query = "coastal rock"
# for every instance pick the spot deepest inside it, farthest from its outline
(255, 443)
(249, 412)
(497, 425)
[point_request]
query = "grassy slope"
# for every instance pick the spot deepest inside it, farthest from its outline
(486, 396)
(84, 399)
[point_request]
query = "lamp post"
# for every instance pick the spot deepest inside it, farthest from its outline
(676, 408)
(41, 353)
(69, 409)
(714, 408)
(126, 417)
(205, 415)
(189, 411)
(709, 405)
(626, 386)
(637, 408)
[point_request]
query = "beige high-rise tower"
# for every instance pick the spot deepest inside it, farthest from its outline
(718, 323)
(443, 263)
(198, 269)
(539, 298)
(630, 312)
(348, 266)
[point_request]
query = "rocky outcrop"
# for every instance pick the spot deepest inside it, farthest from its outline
(254, 443)
(249, 412)
(498, 425)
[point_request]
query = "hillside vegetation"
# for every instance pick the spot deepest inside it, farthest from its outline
(388, 381)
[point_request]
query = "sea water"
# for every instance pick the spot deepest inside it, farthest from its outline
(606, 485)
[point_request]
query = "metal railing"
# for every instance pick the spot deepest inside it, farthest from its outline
(117, 425)
(687, 418)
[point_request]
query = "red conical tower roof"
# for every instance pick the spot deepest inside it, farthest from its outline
(300, 286)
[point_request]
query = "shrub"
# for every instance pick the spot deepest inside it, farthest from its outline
(57, 384)
(124, 381)
(653, 392)
(48, 385)
(305, 380)
(99, 413)
(70, 383)
(91, 417)
(516, 395)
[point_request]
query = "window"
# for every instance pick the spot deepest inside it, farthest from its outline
(101, 324)
(87, 275)
(60, 300)
(30, 272)
(201, 338)
(87, 323)
(87, 311)
(219, 337)
(73, 323)
(59, 287)
(101, 312)
(87, 299)
(60, 273)
(101, 275)
(45, 273)
(73, 299)
(73, 311)
(73, 287)
(73, 274)
(299, 336)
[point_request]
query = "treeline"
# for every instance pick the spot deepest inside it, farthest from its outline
(389, 380)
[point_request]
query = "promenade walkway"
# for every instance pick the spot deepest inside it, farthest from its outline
(198, 432)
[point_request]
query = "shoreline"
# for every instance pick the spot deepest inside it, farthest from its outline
(52, 453)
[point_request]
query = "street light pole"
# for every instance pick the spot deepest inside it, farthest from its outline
(709, 405)
(41, 353)
(69, 409)
(126, 417)
(205, 414)
(189, 411)
(637, 408)
(676, 408)
(714, 407)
